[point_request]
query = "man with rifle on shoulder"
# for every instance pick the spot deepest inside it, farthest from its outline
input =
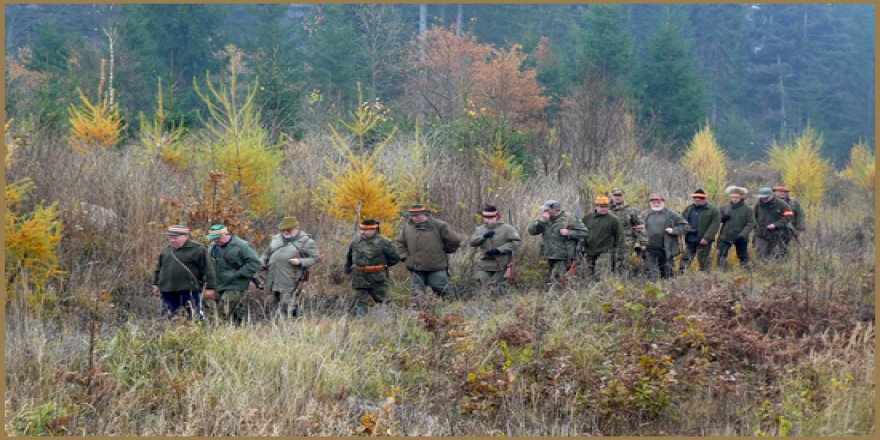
(497, 241)
(287, 260)
(560, 233)
(235, 263)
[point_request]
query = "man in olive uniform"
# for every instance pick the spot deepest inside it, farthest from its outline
(772, 217)
(235, 263)
(367, 261)
(659, 238)
(799, 220)
(287, 259)
(424, 244)
(631, 222)
(497, 241)
(603, 241)
(703, 220)
(181, 272)
(737, 222)
(560, 233)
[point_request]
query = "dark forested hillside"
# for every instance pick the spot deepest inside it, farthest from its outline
(755, 72)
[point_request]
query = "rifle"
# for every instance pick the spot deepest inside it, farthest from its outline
(508, 271)
(577, 249)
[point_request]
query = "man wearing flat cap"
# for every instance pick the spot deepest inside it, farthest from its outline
(367, 261)
(737, 222)
(497, 241)
(424, 243)
(799, 220)
(631, 222)
(604, 239)
(772, 217)
(287, 260)
(183, 270)
(659, 238)
(703, 223)
(235, 263)
(560, 232)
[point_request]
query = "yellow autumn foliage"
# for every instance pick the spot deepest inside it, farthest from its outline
(356, 189)
(160, 142)
(603, 181)
(413, 173)
(708, 163)
(31, 240)
(503, 168)
(238, 145)
(96, 124)
(802, 167)
(860, 169)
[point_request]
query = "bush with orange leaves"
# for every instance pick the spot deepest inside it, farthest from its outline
(96, 124)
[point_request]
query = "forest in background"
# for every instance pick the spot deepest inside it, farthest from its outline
(755, 72)
(124, 127)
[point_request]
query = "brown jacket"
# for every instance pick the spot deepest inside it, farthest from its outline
(424, 246)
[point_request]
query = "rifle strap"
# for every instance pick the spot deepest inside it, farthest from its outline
(192, 277)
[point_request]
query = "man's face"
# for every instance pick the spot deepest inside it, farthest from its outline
(368, 233)
(735, 198)
(553, 212)
(176, 241)
(419, 218)
(657, 203)
(490, 220)
(223, 239)
(780, 194)
(766, 199)
(602, 209)
(699, 201)
(617, 199)
(288, 233)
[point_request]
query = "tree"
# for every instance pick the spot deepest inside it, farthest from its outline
(384, 34)
(670, 86)
(335, 52)
(802, 166)
(706, 161)
(861, 170)
(606, 45)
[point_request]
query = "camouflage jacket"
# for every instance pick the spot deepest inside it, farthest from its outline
(629, 219)
(506, 240)
(554, 246)
(374, 251)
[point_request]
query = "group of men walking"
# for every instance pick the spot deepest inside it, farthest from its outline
(611, 238)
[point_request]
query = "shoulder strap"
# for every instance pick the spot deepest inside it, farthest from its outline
(191, 276)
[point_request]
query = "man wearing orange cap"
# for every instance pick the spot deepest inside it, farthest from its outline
(659, 238)
(367, 261)
(703, 221)
(799, 220)
(604, 239)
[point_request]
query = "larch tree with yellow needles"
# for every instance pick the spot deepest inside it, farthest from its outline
(97, 124)
(802, 167)
(860, 170)
(160, 142)
(708, 163)
(356, 189)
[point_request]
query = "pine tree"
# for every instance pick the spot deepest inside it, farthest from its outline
(335, 52)
(670, 87)
(606, 47)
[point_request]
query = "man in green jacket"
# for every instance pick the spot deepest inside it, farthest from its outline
(737, 222)
(367, 261)
(287, 260)
(560, 233)
(659, 238)
(799, 218)
(772, 217)
(703, 221)
(603, 241)
(632, 223)
(182, 271)
(235, 263)
(497, 241)
(424, 244)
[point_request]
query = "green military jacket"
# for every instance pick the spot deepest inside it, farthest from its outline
(234, 263)
(776, 212)
(170, 276)
(710, 221)
(606, 233)
(554, 246)
(799, 222)
(506, 240)
(424, 246)
(737, 222)
(672, 220)
(280, 274)
(374, 251)
(629, 219)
